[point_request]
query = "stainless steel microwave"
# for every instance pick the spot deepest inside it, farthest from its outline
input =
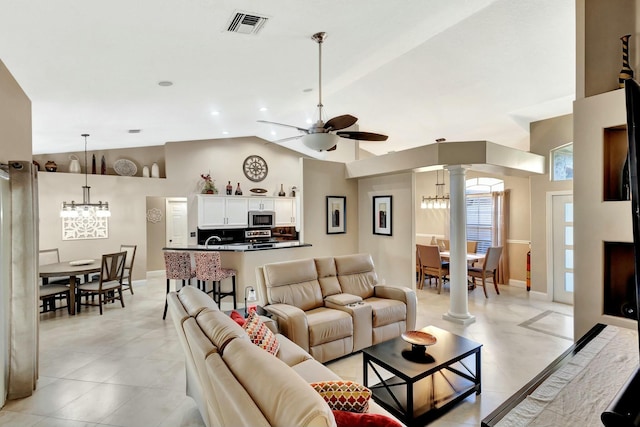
(262, 219)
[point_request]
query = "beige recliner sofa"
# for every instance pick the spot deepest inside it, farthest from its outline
(333, 306)
(236, 383)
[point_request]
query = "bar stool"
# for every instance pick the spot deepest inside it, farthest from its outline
(208, 268)
(178, 267)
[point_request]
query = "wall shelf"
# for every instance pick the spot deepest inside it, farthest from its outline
(619, 285)
(614, 157)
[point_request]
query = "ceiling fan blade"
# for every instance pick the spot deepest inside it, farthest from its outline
(363, 136)
(282, 124)
(340, 122)
(278, 141)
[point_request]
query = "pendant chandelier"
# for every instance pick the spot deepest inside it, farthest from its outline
(440, 201)
(86, 208)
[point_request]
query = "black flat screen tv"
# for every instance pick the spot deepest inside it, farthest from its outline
(624, 409)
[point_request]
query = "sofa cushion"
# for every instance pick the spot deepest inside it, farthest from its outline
(284, 398)
(387, 311)
(327, 276)
(313, 371)
(344, 395)
(194, 300)
(219, 328)
(291, 353)
(260, 334)
(352, 419)
(356, 274)
(293, 283)
(326, 324)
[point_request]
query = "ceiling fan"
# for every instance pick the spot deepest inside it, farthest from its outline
(321, 136)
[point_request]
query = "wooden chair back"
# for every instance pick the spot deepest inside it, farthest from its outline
(429, 256)
(131, 254)
(113, 267)
(443, 244)
(472, 247)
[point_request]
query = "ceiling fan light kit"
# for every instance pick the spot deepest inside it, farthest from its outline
(319, 136)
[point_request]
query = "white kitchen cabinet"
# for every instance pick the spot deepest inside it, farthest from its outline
(222, 212)
(285, 208)
(257, 203)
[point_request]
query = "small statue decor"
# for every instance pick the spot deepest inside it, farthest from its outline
(626, 72)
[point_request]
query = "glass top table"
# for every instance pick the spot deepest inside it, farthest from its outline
(417, 390)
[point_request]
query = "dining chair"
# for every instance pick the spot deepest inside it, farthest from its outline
(208, 267)
(51, 256)
(128, 266)
(488, 268)
(109, 281)
(432, 264)
(443, 244)
(49, 294)
(177, 266)
(472, 247)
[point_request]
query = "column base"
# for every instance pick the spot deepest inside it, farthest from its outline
(459, 320)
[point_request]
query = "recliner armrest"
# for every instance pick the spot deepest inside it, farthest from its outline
(292, 323)
(342, 299)
(406, 295)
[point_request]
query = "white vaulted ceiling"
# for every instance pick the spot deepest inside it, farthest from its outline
(415, 70)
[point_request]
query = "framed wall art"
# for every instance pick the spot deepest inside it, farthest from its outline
(336, 214)
(382, 215)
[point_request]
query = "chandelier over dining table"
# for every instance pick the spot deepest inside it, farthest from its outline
(440, 200)
(86, 208)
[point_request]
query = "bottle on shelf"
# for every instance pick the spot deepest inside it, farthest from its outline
(238, 190)
(282, 193)
(229, 188)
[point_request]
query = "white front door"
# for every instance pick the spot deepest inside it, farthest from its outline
(177, 228)
(562, 247)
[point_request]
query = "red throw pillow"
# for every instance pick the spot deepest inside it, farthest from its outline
(238, 318)
(353, 419)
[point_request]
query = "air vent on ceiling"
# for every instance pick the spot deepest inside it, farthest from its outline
(246, 23)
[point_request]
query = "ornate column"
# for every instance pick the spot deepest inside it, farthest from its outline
(458, 301)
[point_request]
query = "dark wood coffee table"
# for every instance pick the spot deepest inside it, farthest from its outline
(419, 391)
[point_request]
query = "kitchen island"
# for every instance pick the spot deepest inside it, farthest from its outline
(245, 258)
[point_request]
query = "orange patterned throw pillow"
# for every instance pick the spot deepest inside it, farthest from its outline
(260, 334)
(344, 395)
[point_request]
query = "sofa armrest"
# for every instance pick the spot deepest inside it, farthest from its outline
(292, 323)
(406, 295)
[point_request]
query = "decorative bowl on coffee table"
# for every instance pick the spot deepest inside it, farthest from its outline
(419, 342)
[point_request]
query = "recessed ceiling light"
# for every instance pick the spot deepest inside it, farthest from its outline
(165, 83)
(263, 109)
(215, 113)
(134, 130)
(273, 133)
(224, 132)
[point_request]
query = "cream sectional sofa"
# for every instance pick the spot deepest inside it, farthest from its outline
(236, 383)
(333, 306)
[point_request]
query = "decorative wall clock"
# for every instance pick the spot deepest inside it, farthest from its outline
(255, 168)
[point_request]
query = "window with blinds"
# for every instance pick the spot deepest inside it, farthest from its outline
(480, 220)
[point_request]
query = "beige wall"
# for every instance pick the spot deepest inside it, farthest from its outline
(545, 135)
(322, 179)
(394, 256)
(156, 235)
(15, 119)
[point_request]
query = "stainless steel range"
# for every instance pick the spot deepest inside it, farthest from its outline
(259, 238)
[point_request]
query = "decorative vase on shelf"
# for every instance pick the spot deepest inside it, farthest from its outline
(282, 193)
(155, 171)
(51, 166)
(74, 164)
(229, 188)
(93, 164)
(145, 171)
(626, 72)
(103, 166)
(238, 190)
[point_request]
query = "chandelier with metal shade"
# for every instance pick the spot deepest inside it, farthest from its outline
(86, 208)
(440, 200)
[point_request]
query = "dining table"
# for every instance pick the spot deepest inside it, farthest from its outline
(471, 258)
(71, 269)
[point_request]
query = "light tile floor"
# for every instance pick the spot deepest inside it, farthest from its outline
(126, 368)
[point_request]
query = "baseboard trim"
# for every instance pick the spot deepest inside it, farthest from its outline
(155, 273)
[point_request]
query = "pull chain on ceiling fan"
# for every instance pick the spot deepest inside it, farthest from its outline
(320, 136)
